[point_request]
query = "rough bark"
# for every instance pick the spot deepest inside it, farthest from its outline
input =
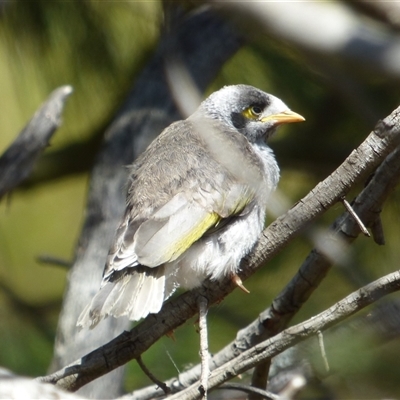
(18, 160)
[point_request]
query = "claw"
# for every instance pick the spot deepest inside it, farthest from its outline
(238, 282)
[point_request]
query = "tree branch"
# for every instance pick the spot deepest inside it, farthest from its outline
(130, 345)
(351, 304)
(17, 161)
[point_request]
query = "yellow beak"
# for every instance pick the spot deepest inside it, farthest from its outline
(285, 117)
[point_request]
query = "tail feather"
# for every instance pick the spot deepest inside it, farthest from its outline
(150, 297)
(92, 313)
(122, 293)
(135, 294)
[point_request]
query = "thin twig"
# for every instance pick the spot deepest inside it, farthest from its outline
(350, 210)
(53, 260)
(323, 351)
(250, 389)
(344, 308)
(159, 383)
(204, 355)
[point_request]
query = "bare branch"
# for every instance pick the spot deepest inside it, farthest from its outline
(148, 373)
(18, 160)
(351, 304)
(349, 209)
(323, 351)
(204, 353)
(53, 260)
(263, 394)
(131, 344)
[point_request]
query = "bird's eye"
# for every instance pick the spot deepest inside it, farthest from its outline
(256, 110)
(252, 112)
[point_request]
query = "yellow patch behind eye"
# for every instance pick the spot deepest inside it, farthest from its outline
(249, 113)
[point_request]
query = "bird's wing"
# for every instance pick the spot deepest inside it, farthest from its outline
(171, 230)
(177, 225)
(194, 199)
(166, 234)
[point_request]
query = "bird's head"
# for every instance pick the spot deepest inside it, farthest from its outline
(251, 111)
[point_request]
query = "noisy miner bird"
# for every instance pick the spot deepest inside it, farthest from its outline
(195, 205)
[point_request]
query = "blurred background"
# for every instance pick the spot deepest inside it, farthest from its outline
(336, 63)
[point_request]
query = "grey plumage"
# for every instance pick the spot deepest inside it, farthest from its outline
(195, 205)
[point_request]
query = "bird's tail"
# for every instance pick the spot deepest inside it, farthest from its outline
(136, 293)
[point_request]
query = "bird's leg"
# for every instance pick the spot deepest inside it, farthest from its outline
(238, 282)
(204, 355)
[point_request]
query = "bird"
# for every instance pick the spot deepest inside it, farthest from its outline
(195, 205)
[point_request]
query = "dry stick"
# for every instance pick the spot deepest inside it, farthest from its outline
(351, 304)
(250, 389)
(18, 160)
(53, 260)
(350, 210)
(323, 351)
(154, 379)
(130, 345)
(368, 204)
(204, 355)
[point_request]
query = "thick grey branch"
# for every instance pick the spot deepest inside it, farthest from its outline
(18, 160)
(130, 345)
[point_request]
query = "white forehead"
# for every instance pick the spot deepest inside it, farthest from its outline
(237, 97)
